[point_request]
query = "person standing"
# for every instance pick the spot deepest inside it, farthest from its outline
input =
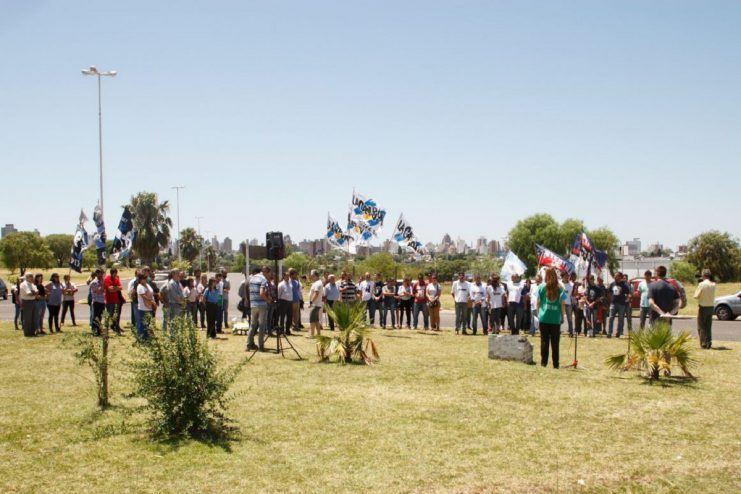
(113, 299)
(40, 310)
(405, 300)
(496, 298)
(568, 287)
(534, 300)
(662, 297)
(133, 300)
(551, 311)
(97, 293)
(243, 293)
(461, 293)
(316, 296)
(29, 295)
(577, 290)
(54, 292)
(226, 287)
(68, 299)
(389, 303)
(604, 308)
(705, 296)
(201, 287)
(212, 297)
(378, 286)
(419, 288)
(259, 300)
(285, 304)
(191, 300)
(296, 300)
(175, 296)
(478, 302)
(365, 288)
(594, 295)
(348, 290)
(145, 304)
(433, 292)
(645, 308)
(331, 295)
(515, 304)
(619, 298)
(15, 297)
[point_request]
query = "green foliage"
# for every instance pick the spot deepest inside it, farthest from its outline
(190, 244)
(183, 265)
(485, 265)
(683, 271)
(380, 262)
(181, 379)
(300, 262)
(653, 350)
(152, 224)
(23, 250)
(718, 252)
(351, 343)
(60, 245)
(93, 351)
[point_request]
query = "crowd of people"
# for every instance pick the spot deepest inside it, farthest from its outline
(587, 307)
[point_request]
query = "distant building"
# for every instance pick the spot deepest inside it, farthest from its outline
(215, 243)
(494, 247)
(431, 247)
(314, 248)
(254, 241)
(655, 249)
(7, 230)
(481, 245)
(631, 248)
(461, 246)
(446, 240)
(226, 245)
(682, 249)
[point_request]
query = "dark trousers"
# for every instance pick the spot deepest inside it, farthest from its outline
(29, 317)
(388, 306)
(114, 311)
(514, 317)
(212, 314)
(479, 312)
(202, 312)
(69, 305)
(705, 326)
(98, 309)
(192, 308)
(405, 307)
(371, 304)
(550, 334)
(285, 313)
(421, 307)
(578, 319)
(330, 304)
(18, 315)
(495, 319)
(53, 316)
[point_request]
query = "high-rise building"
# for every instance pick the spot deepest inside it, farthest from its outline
(494, 247)
(446, 240)
(460, 246)
(226, 245)
(7, 230)
(481, 245)
(632, 247)
(215, 243)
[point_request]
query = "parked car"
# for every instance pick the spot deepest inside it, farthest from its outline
(3, 290)
(728, 308)
(635, 299)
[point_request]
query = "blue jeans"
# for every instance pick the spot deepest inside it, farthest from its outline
(40, 310)
(570, 318)
(142, 323)
(479, 312)
(386, 307)
(619, 310)
(421, 307)
(645, 316)
(534, 322)
(514, 317)
(259, 324)
(461, 315)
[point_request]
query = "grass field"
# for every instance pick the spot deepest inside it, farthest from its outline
(434, 416)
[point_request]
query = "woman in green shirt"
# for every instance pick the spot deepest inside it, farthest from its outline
(551, 312)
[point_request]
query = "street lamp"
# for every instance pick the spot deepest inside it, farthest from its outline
(92, 70)
(177, 192)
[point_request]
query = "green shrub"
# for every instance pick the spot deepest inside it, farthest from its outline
(183, 382)
(351, 342)
(683, 271)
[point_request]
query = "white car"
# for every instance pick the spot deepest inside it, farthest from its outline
(728, 308)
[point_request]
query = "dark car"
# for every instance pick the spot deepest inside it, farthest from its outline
(3, 290)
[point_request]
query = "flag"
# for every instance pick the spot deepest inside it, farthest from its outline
(367, 211)
(80, 242)
(99, 237)
(584, 255)
(336, 235)
(360, 231)
(405, 237)
(512, 265)
(125, 236)
(547, 257)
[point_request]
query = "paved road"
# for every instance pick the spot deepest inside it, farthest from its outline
(722, 330)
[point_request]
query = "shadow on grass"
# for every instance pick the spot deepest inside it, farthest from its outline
(672, 382)
(385, 335)
(721, 348)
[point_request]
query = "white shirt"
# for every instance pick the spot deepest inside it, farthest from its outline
(68, 286)
(514, 290)
(366, 290)
(461, 291)
(534, 288)
(567, 288)
(28, 291)
(317, 289)
(495, 295)
(285, 291)
(432, 290)
(191, 294)
(142, 290)
(478, 293)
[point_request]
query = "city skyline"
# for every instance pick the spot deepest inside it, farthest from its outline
(465, 117)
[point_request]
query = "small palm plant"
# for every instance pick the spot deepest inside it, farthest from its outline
(652, 351)
(352, 342)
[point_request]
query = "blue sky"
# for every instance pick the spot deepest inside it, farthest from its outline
(464, 115)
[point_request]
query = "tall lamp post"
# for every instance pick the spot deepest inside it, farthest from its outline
(177, 192)
(92, 70)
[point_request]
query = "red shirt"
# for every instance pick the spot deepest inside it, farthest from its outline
(420, 294)
(111, 297)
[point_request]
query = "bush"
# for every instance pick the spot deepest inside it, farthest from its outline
(683, 271)
(181, 379)
(351, 343)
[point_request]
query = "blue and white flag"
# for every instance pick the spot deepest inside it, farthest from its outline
(336, 235)
(405, 237)
(585, 256)
(125, 236)
(360, 231)
(512, 265)
(99, 237)
(367, 211)
(79, 244)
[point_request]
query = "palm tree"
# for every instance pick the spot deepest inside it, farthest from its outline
(352, 341)
(152, 224)
(652, 351)
(190, 244)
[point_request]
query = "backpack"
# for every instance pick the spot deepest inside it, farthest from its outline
(680, 290)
